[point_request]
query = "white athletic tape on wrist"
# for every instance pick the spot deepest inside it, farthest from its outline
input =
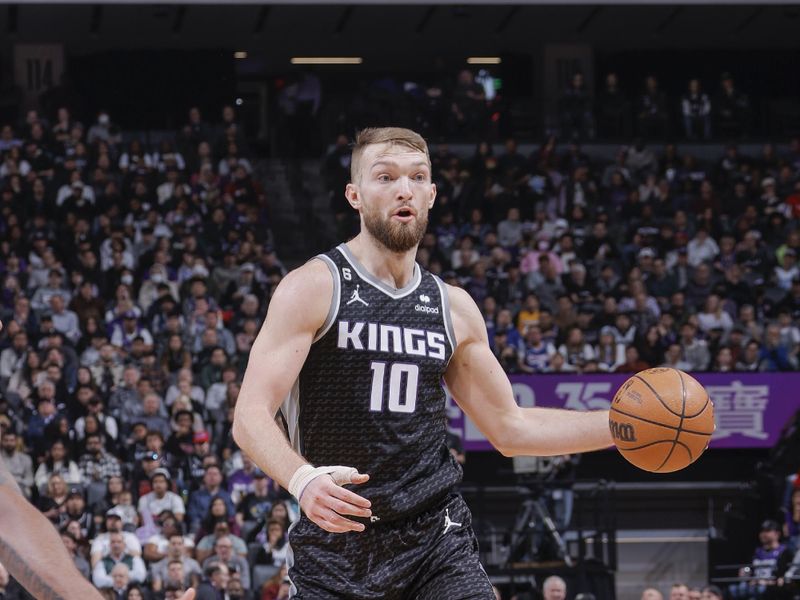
(305, 474)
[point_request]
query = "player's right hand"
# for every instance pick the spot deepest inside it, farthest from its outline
(324, 502)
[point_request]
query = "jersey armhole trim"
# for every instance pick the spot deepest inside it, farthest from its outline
(337, 294)
(448, 319)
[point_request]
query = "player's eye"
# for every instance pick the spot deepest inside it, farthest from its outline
(422, 177)
(384, 178)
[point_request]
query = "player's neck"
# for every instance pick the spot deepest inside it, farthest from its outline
(393, 268)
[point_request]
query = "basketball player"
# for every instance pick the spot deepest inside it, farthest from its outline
(356, 342)
(32, 551)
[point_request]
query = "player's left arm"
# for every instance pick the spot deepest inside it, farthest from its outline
(482, 390)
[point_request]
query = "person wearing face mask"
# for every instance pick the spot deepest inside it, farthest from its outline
(151, 290)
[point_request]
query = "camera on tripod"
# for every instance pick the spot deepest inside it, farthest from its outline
(545, 511)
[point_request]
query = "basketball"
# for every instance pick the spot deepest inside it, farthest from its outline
(661, 420)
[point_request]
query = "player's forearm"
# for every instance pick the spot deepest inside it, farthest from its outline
(33, 553)
(258, 435)
(550, 432)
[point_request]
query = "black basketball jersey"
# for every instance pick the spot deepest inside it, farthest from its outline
(370, 392)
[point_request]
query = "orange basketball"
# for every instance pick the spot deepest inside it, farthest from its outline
(661, 420)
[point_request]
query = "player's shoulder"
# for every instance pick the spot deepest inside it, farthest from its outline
(314, 275)
(305, 291)
(468, 322)
(460, 300)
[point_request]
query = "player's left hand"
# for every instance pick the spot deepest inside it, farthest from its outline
(324, 502)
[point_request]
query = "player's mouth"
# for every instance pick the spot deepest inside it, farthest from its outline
(404, 214)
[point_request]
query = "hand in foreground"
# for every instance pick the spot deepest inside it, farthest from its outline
(188, 595)
(324, 501)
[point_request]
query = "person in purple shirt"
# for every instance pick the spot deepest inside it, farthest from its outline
(240, 482)
(770, 560)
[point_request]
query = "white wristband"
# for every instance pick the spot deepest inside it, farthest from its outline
(305, 474)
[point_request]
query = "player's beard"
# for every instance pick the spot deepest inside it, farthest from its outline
(393, 235)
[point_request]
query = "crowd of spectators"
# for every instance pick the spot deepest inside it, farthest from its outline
(658, 258)
(472, 105)
(135, 277)
(725, 112)
(461, 105)
(133, 280)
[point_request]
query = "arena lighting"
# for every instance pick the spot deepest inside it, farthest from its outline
(240, 54)
(484, 60)
(326, 60)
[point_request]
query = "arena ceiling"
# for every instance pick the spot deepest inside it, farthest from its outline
(272, 33)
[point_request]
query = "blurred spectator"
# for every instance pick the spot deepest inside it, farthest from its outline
(224, 554)
(103, 130)
(162, 572)
(205, 546)
(575, 110)
(57, 461)
(679, 591)
(711, 592)
(770, 561)
(161, 498)
(215, 582)
(554, 588)
(200, 501)
(101, 545)
(732, 108)
(95, 463)
(71, 545)
(255, 506)
(468, 106)
(51, 501)
(777, 354)
(277, 586)
(19, 463)
(105, 571)
(696, 111)
(612, 111)
(274, 550)
(652, 111)
(651, 594)
(160, 531)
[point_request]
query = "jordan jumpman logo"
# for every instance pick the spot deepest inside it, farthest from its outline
(447, 522)
(356, 298)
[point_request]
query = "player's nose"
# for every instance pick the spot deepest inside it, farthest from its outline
(404, 188)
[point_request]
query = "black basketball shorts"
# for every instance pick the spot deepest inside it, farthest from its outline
(431, 556)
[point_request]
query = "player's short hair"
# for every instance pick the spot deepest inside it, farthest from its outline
(385, 135)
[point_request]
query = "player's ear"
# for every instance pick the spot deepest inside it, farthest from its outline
(353, 196)
(433, 196)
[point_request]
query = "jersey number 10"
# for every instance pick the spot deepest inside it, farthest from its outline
(403, 380)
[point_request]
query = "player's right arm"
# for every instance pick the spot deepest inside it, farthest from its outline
(297, 311)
